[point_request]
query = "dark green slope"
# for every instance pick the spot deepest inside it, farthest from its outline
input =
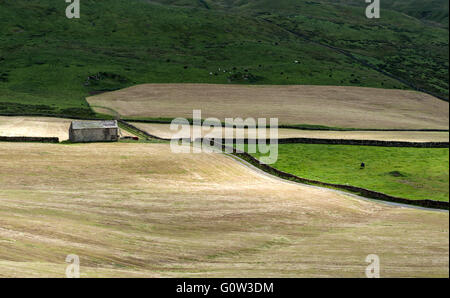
(49, 64)
(434, 12)
(397, 45)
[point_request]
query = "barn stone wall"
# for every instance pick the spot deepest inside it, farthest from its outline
(94, 135)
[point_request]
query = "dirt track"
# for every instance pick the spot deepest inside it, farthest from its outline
(352, 107)
(163, 131)
(140, 210)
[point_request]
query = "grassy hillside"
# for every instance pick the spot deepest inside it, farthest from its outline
(396, 44)
(429, 10)
(49, 64)
(433, 12)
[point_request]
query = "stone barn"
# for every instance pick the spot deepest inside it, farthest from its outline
(94, 131)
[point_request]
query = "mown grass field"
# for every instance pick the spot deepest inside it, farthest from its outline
(348, 107)
(138, 210)
(412, 173)
(49, 64)
(34, 127)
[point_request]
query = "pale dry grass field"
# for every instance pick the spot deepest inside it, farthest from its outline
(185, 131)
(352, 107)
(19, 126)
(34, 127)
(137, 210)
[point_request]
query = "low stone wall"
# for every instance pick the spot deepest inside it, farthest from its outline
(359, 129)
(340, 142)
(141, 131)
(29, 139)
(364, 143)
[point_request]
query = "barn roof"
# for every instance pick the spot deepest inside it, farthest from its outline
(94, 124)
